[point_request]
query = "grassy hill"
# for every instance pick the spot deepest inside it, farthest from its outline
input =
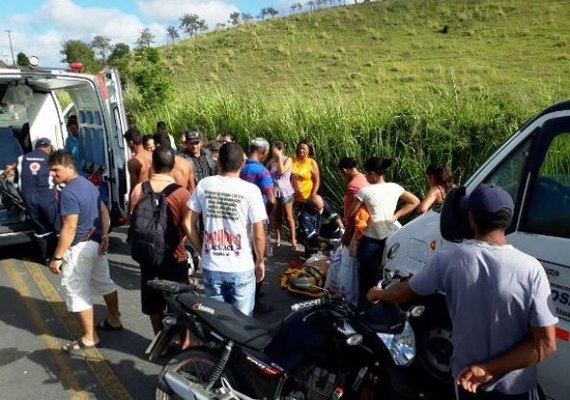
(387, 50)
(422, 81)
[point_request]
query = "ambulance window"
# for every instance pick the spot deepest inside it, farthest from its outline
(509, 174)
(548, 211)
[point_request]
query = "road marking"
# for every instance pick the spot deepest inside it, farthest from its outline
(49, 341)
(100, 368)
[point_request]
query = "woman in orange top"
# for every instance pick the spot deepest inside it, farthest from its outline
(305, 175)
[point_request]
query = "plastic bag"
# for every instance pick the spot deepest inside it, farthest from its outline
(342, 276)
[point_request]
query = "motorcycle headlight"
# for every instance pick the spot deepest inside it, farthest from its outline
(402, 347)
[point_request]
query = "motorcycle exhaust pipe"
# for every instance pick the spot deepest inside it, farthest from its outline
(186, 389)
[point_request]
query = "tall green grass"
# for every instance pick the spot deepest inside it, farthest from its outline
(461, 130)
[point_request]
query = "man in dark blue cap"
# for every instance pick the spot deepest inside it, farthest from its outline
(498, 299)
(39, 195)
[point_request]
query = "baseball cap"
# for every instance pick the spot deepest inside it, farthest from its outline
(192, 136)
(43, 142)
(215, 145)
(487, 199)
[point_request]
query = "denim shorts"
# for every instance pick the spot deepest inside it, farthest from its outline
(236, 288)
(285, 200)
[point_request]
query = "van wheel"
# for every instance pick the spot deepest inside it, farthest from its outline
(435, 347)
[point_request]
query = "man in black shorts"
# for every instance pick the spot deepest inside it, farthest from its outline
(174, 266)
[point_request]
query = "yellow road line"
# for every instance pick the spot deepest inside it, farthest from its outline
(100, 368)
(65, 374)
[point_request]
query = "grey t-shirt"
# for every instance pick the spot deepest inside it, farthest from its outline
(494, 294)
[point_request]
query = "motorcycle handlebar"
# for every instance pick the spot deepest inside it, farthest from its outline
(305, 305)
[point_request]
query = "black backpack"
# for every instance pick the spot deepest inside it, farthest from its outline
(149, 231)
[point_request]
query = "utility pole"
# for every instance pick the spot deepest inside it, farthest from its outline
(9, 31)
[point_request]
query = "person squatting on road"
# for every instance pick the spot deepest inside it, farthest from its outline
(233, 212)
(499, 301)
(319, 223)
(40, 196)
(173, 267)
(80, 252)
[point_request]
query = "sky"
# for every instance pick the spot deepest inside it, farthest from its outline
(40, 27)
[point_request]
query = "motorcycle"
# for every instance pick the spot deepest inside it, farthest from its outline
(324, 349)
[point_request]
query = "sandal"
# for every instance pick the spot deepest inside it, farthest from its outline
(77, 346)
(106, 326)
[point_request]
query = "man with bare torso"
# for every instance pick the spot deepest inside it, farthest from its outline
(139, 165)
(183, 171)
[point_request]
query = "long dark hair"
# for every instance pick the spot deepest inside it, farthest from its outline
(347, 163)
(442, 175)
(378, 165)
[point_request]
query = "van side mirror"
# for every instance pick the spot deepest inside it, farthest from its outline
(454, 225)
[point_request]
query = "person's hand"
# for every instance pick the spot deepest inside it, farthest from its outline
(104, 246)
(473, 376)
(55, 266)
(259, 271)
(275, 152)
(374, 294)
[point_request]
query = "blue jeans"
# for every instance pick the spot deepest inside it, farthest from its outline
(369, 256)
(236, 288)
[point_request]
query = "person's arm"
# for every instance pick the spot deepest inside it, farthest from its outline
(259, 248)
(431, 197)
(271, 201)
(316, 178)
(66, 235)
(411, 204)
(282, 166)
(352, 209)
(191, 184)
(191, 226)
(397, 293)
(535, 348)
(105, 226)
(134, 167)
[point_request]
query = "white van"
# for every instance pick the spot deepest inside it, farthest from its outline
(534, 167)
(33, 103)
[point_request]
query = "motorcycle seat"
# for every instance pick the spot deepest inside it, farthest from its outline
(229, 322)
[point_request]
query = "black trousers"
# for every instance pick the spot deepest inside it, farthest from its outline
(535, 394)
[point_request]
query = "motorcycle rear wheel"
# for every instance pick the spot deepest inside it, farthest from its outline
(195, 365)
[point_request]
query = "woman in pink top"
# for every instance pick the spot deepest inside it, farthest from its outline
(280, 168)
(356, 180)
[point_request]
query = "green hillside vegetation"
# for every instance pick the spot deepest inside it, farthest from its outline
(421, 81)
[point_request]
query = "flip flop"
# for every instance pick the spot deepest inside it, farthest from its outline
(77, 346)
(106, 326)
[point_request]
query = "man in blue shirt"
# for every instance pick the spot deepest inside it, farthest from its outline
(255, 172)
(72, 143)
(80, 252)
(499, 301)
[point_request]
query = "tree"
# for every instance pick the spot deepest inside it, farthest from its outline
(192, 24)
(311, 5)
(271, 12)
(246, 17)
(120, 52)
(146, 39)
(299, 6)
(79, 51)
(293, 8)
(234, 18)
(22, 60)
(102, 45)
(172, 33)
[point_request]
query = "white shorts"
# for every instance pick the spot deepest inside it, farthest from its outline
(83, 273)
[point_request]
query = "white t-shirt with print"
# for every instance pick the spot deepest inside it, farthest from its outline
(381, 200)
(228, 206)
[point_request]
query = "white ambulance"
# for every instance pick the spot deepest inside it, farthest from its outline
(534, 167)
(35, 103)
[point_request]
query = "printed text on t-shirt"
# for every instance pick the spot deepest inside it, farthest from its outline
(222, 205)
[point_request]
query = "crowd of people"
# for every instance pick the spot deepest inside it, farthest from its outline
(227, 203)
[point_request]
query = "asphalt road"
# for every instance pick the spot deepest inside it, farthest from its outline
(34, 324)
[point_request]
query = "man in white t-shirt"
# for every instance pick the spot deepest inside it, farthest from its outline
(233, 215)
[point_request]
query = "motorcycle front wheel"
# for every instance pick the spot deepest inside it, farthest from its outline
(195, 365)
